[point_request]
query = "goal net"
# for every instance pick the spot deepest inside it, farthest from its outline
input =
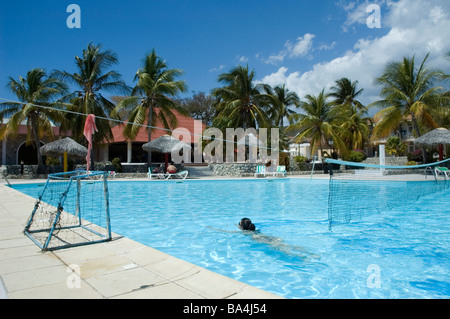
(72, 209)
(357, 189)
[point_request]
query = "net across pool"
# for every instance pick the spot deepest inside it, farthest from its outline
(398, 253)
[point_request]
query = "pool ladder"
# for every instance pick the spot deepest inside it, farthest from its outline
(312, 170)
(432, 173)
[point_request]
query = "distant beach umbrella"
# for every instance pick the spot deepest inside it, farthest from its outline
(65, 147)
(165, 144)
(439, 136)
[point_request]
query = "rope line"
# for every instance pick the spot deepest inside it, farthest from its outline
(126, 122)
(333, 161)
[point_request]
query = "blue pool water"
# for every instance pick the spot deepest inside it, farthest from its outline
(400, 253)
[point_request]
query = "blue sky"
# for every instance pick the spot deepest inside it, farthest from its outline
(305, 44)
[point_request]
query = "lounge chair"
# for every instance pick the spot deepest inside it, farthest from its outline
(112, 174)
(150, 174)
(281, 171)
(442, 170)
(260, 171)
(183, 174)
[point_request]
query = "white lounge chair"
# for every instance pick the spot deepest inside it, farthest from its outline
(260, 171)
(183, 174)
(281, 171)
(150, 174)
(442, 170)
(112, 174)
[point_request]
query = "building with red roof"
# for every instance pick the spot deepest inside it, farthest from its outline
(14, 149)
(17, 149)
(188, 130)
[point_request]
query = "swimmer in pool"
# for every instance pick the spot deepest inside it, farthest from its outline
(246, 224)
(276, 243)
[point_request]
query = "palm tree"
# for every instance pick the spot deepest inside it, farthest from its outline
(353, 122)
(448, 58)
(408, 92)
(317, 122)
(155, 88)
(353, 127)
(240, 102)
(92, 78)
(283, 100)
(441, 112)
(33, 90)
(345, 93)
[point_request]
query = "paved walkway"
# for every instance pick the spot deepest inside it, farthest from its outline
(121, 268)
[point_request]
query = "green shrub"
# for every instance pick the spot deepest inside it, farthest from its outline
(395, 146)
(354, 156)
(411, 163)
(117, 164)
(300, 159)
(51, 161)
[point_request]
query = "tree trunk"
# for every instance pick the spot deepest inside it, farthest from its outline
(416, 129)
(150, 117)
(41, 166)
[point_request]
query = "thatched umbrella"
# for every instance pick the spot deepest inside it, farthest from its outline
(439, 136)
(65, 146)
(165, 144)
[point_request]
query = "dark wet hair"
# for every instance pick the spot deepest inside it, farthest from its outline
(246, 224)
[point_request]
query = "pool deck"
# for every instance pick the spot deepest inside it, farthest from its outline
(120, 268)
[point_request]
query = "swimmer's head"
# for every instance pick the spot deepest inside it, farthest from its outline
(246, 224)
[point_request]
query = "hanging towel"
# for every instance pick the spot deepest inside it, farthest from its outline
(89, 128)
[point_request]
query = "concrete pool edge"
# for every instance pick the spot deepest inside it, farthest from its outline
(121, 268)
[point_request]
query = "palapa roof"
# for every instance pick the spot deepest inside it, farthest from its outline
(437, 136)
(165, 144)
(59, 147)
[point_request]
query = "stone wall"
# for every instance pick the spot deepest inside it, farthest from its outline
(234, 169)
(29, 171)
(304, 168)
(249, 169)
(390, 160)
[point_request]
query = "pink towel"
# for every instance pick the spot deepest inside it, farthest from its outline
(89, 128)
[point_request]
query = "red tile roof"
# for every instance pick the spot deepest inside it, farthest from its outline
(23, 130)
(184, 122)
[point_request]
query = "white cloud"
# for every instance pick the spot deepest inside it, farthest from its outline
(300, 48)
(416, 28)
(327, 47)
(274, 59)
(242, 59)
(217, 69)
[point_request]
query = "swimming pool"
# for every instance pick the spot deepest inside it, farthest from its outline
(401, 253)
